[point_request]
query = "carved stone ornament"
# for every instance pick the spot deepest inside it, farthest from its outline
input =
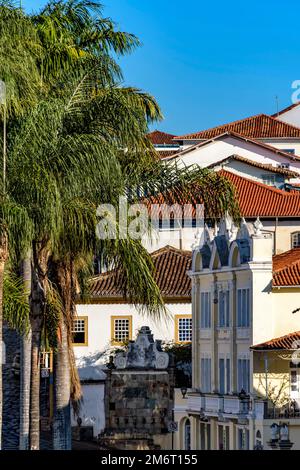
(143, 353)
(258, 226)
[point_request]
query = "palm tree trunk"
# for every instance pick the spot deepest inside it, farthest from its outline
(35, 390)
(62, 418)
(62, 439)
(3, 258)
(25, 368)
(37, 314)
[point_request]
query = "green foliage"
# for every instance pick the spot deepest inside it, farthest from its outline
(15, 302)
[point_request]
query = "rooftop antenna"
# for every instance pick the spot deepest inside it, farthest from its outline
(277, 104)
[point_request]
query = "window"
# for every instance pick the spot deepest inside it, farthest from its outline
(183, 328)
(205, 313)
(296, 240)
(204, 436)
(224, 309)
(269, 179)
(80, 331)
(223, 437)
(244, 375)
(121, 329)
(243, 439)
(243, 308)
(224, 375)
(294, 381)
(206, 374)
(187, 435)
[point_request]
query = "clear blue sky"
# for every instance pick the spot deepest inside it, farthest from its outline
(210, 62)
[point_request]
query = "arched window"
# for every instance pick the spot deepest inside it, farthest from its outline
(295, 240)
(187, 435)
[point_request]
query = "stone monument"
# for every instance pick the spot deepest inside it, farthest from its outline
(139, 396)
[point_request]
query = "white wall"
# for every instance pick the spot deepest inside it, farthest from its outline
(227, 146)
(92, 410)
(99, 325)
(291, 117)
(182, 239)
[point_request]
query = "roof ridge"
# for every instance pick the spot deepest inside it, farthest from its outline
(239, 136)
(267, 166)
(161, 132)
(234, 123)
(221, 125)
(284, 110)
(167, 248)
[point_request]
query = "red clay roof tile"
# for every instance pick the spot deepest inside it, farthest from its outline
(161, 138)
(261, 126)
(286, 268)
(171, 267)
(289, 341)
(259, 200)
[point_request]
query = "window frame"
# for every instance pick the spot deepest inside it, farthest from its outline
(243, 374)
(243, 311)
(177, 318)
(113, 318)
(206, 379)
(292, 235)
(226, 311)
(267, 177)
(205, 300)
(226, 376)
(86, 331)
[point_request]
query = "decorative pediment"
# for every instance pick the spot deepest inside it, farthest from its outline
(143, 353)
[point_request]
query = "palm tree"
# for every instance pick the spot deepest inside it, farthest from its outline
(86, 122)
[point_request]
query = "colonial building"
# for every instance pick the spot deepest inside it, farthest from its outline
(109, 319)
(242, 296)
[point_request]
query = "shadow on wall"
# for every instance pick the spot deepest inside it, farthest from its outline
(182, 353)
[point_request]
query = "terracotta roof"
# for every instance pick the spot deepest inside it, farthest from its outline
(263, 166)
(167, 153)
(286, 268)
(161, 138)
(285, 110)
(261, 126)
(257, 199)
(171, 266)
(221, 136)
(283, 342)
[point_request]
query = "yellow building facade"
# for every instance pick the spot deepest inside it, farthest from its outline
(242, 298)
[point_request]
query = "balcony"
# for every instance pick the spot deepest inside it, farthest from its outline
(289, 411)
(234, 405)
(211, 404)
(214, 404)
(196, 402)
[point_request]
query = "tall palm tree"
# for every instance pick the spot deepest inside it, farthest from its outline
(79, 201)
(86, 122)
